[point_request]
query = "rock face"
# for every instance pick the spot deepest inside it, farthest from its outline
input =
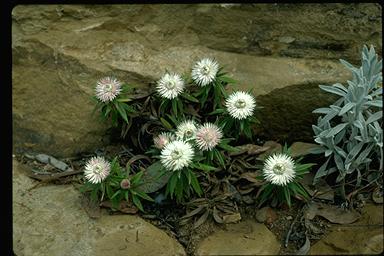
(362, 237)
(282, 51)
(245, 238)
(50, 221)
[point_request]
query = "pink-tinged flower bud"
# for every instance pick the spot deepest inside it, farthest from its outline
(125, 184)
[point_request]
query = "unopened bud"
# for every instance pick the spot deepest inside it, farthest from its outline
(125, 184)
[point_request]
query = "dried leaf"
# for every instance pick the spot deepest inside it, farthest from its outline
(302, 148)
(201, 220)
(377, 197)
(250, 149)
(273, 147)
(231, 218)
(216, 216)
(312, 227)
(194, 212)
(252, 177)
(331, 213)
(246, 190)
(304, 250)
(137, 157)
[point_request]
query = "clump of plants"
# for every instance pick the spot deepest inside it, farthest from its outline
(282, 174)
(188, 126)
(350, 130)
(108, 180)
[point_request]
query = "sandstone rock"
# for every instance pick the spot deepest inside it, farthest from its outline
(49, 220)
(362, 237)
(245, 238)
(266, 215)
(59, 51)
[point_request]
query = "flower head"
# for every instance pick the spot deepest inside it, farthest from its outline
(279, 169)
(125, 184)
(176, 155)
(240, 105)
(163, 139)
(97, 169)
(107, 89)
(170, 85)
(204, 72)
(208, 136)
(186, 130)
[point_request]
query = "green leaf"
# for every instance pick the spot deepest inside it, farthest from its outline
(353, 153)
(189, 97)
(174, 106)
(335, 130)
(195, 183)
(375, 103)
(228, 80)
(109, 191)
(121, 111)
(374, 117)
(144, 196)
(219, 157)
(107, 110)
(204, 167)
(322, 110)
(321, 171)
(116, 194)
(346, 108)
(287, 196)
(165, 123)
(172, 183)
(217, 111)
(126, 195)
(137, 177)
(266, 191)
(333, 89)
(137, 202)
(124, 100)
(303, 168)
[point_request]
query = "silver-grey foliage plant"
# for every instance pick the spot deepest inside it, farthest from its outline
(349, 131)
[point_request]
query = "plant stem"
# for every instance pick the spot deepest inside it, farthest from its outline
(381, 160)
(342, 189)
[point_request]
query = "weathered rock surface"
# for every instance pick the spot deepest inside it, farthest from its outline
(362, 237)
(282, 51)
(244, 238)
(50, 221)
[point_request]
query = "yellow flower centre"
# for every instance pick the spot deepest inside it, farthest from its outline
(171, 85)
(240, 104)
(175, 154)
(278, 169)
(205, 70)
(188, 133)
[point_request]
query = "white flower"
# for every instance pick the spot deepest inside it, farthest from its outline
(186, 130)
(176, 155)
(163, 139)
(279, 169)
(240, 105)
(97, 169)
(204, 72)
(107, 89)
(208, 136)
(170, 85)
